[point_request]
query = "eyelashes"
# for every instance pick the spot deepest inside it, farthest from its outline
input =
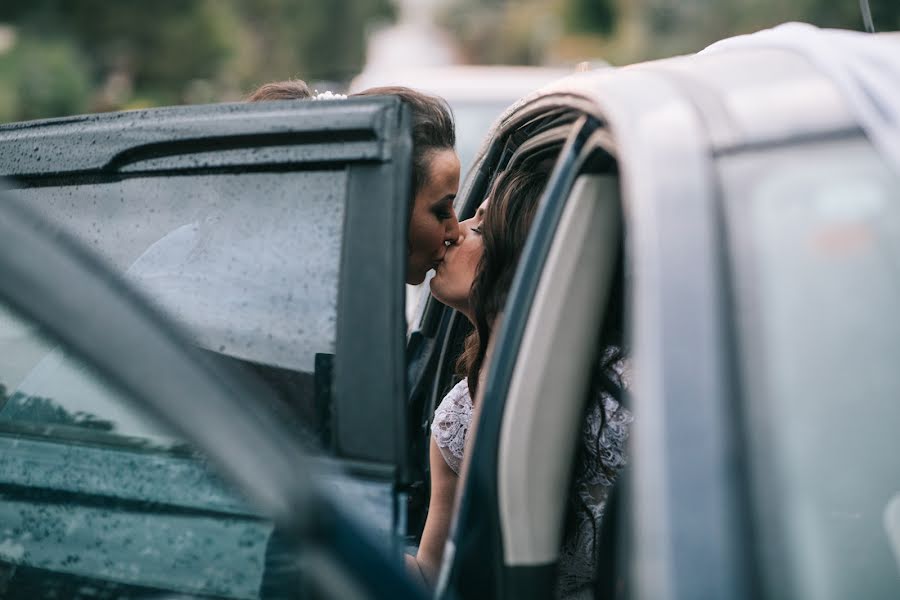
(443, 211)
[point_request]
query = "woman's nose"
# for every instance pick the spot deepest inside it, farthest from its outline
(453, 232)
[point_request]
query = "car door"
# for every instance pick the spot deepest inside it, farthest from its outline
(758, 227)
(274, 232)
(437, 334)
(508, 524)
(157, 473)
(813, 246)
(609, 176)
(723, 248)
(807, 228)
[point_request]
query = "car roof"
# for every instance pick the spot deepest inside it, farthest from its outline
(745, 95)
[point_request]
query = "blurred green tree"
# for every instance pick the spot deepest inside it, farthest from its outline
(508, 32)
(86, 55)
(310, 39)
(43, 78)
(594, 16)
(647, 29)
(149, 48)
(847, 14)
(131, 53)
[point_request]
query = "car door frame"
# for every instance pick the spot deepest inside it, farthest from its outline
(476, 557)
(102, 320)
(680, 348)
(369, 137)
(687, 529)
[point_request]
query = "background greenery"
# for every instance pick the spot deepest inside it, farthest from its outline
(72, 56)
(63, 57)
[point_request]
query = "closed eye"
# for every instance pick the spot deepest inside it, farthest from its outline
(443, 209)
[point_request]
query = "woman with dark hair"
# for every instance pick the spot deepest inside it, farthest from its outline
(435, 170)
(289, 89)
(475, 278)
(435, 180)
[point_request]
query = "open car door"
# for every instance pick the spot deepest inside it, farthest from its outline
(273, 232)
(152, 476)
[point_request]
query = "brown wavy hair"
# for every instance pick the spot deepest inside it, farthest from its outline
(289, 89)
(433, 129)
(507, 219)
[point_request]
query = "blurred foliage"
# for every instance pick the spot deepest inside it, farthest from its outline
(46, 78)
(596, 16)
(72, 56)
(503, 32)
(625, 31)
(670, 27)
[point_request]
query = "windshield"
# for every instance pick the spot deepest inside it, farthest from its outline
(815, 234)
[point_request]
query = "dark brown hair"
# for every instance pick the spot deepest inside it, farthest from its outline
(507, 219)
(432, 119)
(432, 127)
(290, 89)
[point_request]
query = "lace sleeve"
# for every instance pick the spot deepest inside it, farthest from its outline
(602, 456)
(451, 423)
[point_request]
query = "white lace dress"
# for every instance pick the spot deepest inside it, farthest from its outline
(603, 456)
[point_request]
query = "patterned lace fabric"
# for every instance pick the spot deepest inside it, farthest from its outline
(603, 455)
(451, 423)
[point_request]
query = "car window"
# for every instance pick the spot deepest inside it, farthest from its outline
(473, 121)
(237, 258)
(43, 385)
(815, 232)
(100, 501)
(248, 263)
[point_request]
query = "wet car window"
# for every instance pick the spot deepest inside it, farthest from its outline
(100, 502)
(247, 262)
(816, 238)
(44, 386)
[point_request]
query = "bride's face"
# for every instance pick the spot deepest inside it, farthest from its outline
(454, 275)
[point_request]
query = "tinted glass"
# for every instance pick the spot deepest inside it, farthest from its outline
(815, 233)
(248, 263)
(98, 501)
(473, 122)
